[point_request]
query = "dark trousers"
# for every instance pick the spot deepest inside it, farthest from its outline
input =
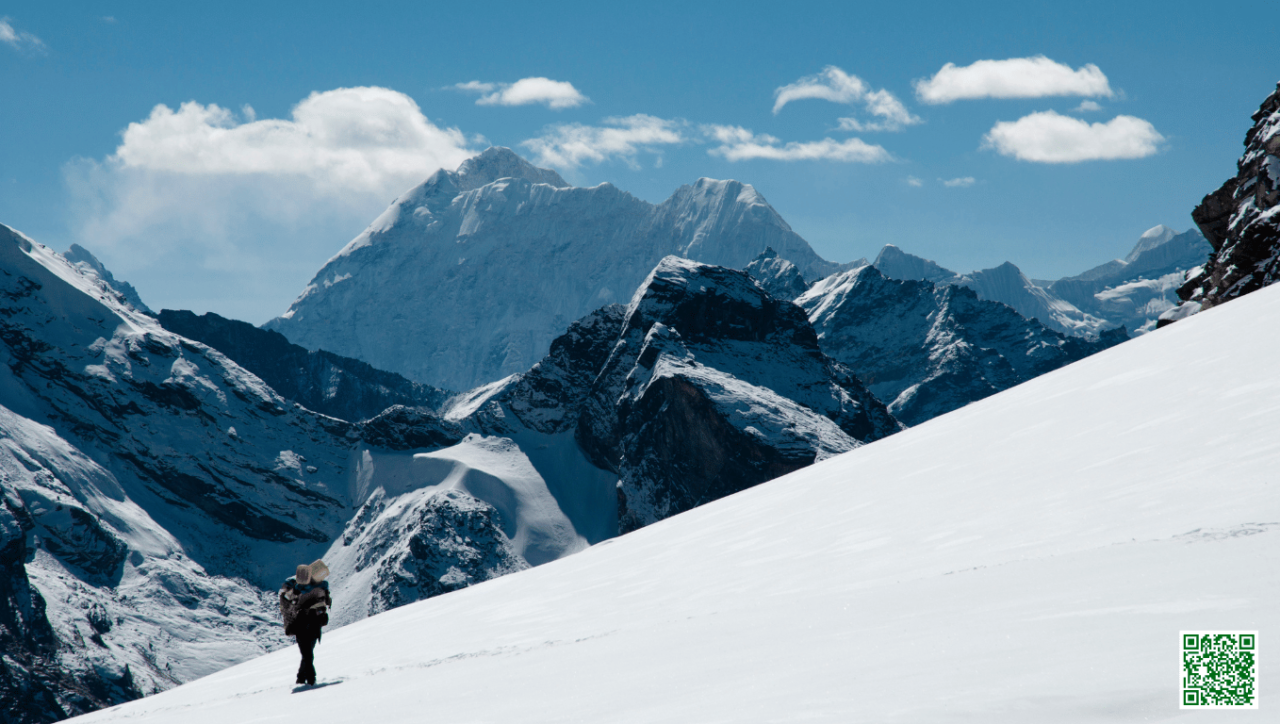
(307, 645)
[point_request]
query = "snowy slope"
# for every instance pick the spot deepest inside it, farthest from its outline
(89, 265)
(468, 277)
(1031, 557)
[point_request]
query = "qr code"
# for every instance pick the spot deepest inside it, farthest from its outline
(1220, 669)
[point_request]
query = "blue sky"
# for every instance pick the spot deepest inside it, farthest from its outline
(232, 208)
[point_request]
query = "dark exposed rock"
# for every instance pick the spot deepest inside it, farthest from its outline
(409, 428)
(446, 541)
(713, 386)
(318, 380)
(1241, 220)
(931, 349)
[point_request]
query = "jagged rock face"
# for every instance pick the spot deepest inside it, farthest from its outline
(713, 386)
(549, 397)
(408, 428)
(468, 277)
(931, 349)
(1241, 220)
(318, 380)
(431, 543)
(779, 277)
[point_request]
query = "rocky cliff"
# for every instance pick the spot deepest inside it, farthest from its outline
(318, 380)
(930, 348)
(1241, 220)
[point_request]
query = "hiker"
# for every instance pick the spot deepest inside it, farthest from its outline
(304, 606)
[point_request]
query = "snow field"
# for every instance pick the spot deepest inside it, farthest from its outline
(1030, 557)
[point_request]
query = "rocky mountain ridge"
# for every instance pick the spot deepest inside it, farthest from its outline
(927, 348)
(318, 380)
(1241, 221)
(469, 276)
(1131, 292)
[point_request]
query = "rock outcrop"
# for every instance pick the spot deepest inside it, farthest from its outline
(928, 349)
(1241, 221)
(713, 386)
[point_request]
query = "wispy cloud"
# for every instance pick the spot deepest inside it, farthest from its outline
(1048, 137)
(570, 145)
(913, 181)
(554, 94)
(1087, 106)
(19, 39)
(837, 86)
(959, 183)
(1035, 77)
(740, 144)
(188, 175)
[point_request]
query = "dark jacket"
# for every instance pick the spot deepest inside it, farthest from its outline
(304, 608)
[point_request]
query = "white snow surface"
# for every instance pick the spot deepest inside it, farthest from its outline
(1028, 558)
(469, 276)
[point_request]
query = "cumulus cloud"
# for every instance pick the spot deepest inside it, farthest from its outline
(959, 183)
(1087, 106)
(19, 39)
(837, 86)
(214, 183)
(1047, 137)
(1035, 77)
(570, 145)
(554, 94)
(739, 144)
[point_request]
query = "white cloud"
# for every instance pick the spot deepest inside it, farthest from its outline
(1086, 106)
(570, 145)
(200, 180)
(555, 94)
(834, 85)
(961, 183)
(1035, 77)
(1047, 137)
(913, 181)
(19, 39)
(740, 144)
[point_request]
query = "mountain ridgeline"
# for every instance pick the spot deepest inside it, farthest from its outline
(468, 277)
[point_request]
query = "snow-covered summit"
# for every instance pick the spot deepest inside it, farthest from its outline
(467, 278)
(87, 263)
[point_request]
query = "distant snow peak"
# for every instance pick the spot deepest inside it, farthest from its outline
(537, 254)
(928, 349)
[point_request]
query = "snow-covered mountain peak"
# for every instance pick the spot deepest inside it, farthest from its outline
(457, 286)
(88, 264)
(1151, 238)
(898, 264)
(498, 162)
